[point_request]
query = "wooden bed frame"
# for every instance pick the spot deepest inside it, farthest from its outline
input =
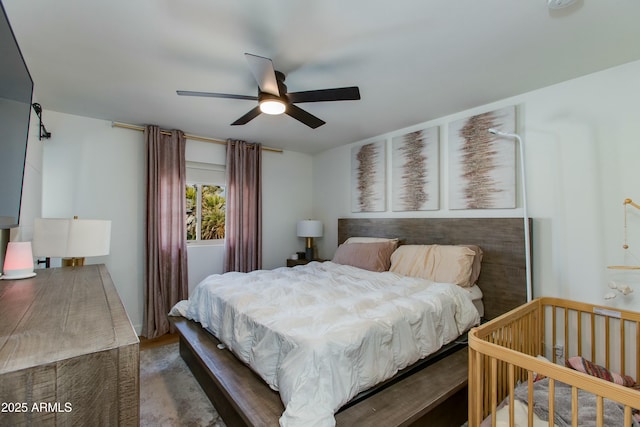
(503, 352)
(435, 394)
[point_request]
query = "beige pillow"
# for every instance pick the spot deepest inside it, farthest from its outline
(440, 263)
(369, 240)
(477, 264)
(369, 256)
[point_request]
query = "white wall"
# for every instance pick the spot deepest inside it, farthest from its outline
(93, 170)
(287, 198)
(582, 149)
(31, 203)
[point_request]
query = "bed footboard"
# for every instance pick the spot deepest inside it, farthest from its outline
(504, 353)
(431, 396)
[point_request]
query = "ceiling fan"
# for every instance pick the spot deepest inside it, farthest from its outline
(273, 97)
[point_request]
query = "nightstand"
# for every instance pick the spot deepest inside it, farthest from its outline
(294, 262)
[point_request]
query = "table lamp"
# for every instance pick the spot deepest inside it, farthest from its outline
(71, 239)
(309, 229)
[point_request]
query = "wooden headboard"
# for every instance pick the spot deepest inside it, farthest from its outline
(503, 275)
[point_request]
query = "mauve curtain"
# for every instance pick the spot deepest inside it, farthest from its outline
(243, 234)
(166, 255)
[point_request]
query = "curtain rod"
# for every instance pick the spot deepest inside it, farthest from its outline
(188, 136)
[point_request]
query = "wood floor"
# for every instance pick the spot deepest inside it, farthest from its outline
(146, 344)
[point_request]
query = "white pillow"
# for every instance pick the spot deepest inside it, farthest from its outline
(475, 293)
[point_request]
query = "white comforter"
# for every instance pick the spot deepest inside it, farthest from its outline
(321, 333)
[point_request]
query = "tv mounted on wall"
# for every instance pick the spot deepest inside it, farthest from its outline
(16, 88)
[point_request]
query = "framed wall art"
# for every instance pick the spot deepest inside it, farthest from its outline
(415, 171)
(482, 166)
(368, 193)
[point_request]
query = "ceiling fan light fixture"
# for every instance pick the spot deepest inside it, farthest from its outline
(273, 97)
(272, 106)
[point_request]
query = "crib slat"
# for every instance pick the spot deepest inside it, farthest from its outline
(627, 415)
(552, 402)
(579, 353)
(637, 353)
(511, 395)
(574, 406)
(527, 342)
(553, 332)
(566, 331)
(485, 381)
(498, 367)
(533, 330)
(542, 331)
(622, 347)
(593, 336)
(607, 340)
(599, 412)
(530, 399)
(475, 388)
(494, 390)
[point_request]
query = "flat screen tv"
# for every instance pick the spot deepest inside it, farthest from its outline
(16, 88)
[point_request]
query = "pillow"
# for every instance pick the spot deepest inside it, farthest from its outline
(474, 293)
(369, 240)
(583, 365)
(440, 263)
(477, 263)
(368, 256)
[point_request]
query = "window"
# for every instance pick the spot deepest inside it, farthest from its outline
(206, 203)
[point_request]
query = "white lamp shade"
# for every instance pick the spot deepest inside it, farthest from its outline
(89, 237)
(18, 261)
(309, 228)
(50, 237)
(71, 238)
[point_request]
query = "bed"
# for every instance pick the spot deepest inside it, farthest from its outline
(244, 399)
(585, 355)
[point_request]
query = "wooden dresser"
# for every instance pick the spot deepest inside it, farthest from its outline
(68, 352)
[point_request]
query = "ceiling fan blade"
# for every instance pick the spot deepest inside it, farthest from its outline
(216, 95)
(264, 73)
(303, 116)
(338, 94)
(252, 114)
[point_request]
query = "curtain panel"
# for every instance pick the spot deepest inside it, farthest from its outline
(243, 234)
(166, 246)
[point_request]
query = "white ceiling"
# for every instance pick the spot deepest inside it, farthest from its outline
(414, 61)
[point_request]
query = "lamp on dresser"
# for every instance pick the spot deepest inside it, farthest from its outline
(71, 239)
(309, 229)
